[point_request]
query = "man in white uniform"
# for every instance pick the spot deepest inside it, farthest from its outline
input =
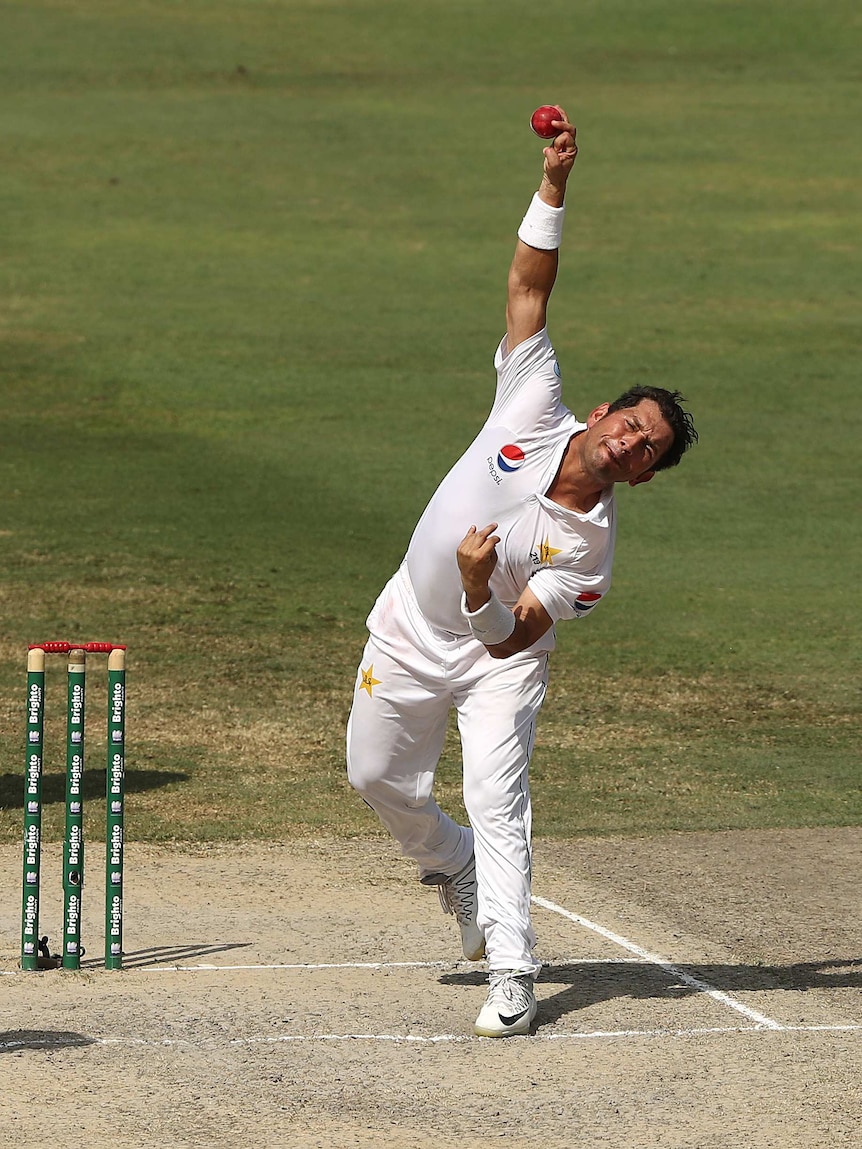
(518, 536)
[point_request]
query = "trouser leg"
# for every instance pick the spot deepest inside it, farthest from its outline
(496, 718)
(395, 737)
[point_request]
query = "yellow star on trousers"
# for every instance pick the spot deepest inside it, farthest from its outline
(368, 680)
(547, 552)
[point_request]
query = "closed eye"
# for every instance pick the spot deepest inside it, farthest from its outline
(634, 425)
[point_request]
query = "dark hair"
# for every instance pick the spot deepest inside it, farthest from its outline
(681, 422)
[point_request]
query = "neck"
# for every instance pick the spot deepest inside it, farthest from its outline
(572, 487)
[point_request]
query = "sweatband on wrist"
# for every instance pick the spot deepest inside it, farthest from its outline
(491, 623)
(542, 226)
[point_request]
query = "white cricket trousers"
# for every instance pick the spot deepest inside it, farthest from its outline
(410, 676)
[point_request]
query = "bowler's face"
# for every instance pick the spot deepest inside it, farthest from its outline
(624, 446)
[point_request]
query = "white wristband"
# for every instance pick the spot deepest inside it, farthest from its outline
(542, 226)
(491, 623)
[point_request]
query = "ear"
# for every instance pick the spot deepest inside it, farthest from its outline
(644, 478)
(599, 413)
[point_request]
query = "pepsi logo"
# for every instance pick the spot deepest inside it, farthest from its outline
(586, 601)
(510, 458)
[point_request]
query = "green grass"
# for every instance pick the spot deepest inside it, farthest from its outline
(252, 275)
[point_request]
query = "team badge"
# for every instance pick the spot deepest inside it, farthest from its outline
(510, 458)
(585, 602)
(547, 552)
(368, 680)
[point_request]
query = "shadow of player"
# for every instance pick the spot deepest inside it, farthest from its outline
(590, 983)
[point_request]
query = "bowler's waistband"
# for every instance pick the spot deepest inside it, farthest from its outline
(445, 637)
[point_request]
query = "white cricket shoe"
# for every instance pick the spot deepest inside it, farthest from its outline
(510, 1007)
(459, 895)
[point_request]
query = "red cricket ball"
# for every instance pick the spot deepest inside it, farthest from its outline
(540, 121)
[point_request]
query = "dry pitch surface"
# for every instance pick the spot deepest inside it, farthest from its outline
(701, 990)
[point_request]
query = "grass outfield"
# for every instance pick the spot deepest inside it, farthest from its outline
(252, 274)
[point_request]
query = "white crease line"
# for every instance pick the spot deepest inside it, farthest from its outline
(696, 983)
(160, 967)
(417, 1039)
(362, 965)
(299, 965)
(598, 1034)
(443, 1037)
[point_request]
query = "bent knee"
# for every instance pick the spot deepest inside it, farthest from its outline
(367, 775)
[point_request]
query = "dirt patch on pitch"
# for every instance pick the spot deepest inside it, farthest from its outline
(346, 1019)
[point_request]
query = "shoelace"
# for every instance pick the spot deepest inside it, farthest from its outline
(508, 990)
(457, 898)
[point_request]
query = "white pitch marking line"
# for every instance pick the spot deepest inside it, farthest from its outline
(160, 967)
(718, 995)
(598, 1034)
(435, 1039)
(440, 1037)
(298, 965)
(362, 965)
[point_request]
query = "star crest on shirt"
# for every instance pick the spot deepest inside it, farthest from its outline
(547, 552)
(368, 680)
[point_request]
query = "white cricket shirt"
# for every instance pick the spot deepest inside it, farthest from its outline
(502, 477)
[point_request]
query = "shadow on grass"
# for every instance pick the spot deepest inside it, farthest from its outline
(54, 785)
(590, 983)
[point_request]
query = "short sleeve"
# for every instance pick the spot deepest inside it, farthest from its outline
(529, 387)
(568, 594)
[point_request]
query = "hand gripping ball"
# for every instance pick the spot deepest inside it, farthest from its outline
(540, 121)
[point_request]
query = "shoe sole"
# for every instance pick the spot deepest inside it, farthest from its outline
(520, 1029)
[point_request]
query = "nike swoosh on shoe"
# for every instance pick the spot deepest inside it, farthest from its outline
(512, 1020)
